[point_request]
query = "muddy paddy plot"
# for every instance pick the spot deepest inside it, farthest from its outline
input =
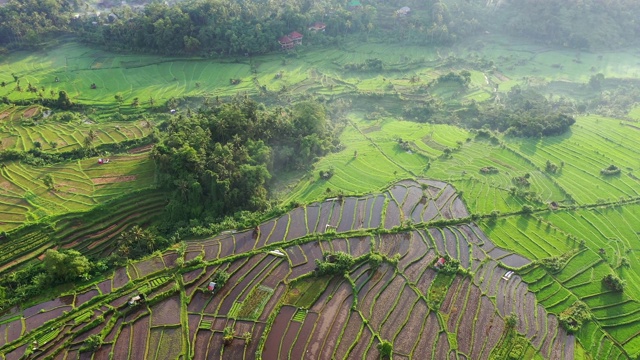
(278, 329)
(280, 230)
(412, 198)
(363, 213)
(312, 212)
(359, 246)
(265, 230)
(348, 213)
(325, 213)
(392, 216)
(398, 192)
(297, 225)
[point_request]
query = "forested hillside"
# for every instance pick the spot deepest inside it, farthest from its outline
(248, 27)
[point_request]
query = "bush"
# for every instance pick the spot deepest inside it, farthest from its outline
(613, 282)
(91, 344)
(386, 349)
(610, 170)
(334, 264)
(572, 318)
(489, 170)
(375, 260)
(220, 278)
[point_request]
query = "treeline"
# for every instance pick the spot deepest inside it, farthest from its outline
(219, 160)
(524, 113)
(220, 26)
(26, 22)
(576, 24)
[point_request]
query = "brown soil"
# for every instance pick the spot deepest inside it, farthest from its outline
(4, 114)
(31, 112)
(140, 149)
(113, 179)
(166, 312)
(410, 333)
(274, 339)
(121, 350)
(396, 319)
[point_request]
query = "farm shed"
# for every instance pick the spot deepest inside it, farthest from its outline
(403, 11)
(318, 27)
(290, 41)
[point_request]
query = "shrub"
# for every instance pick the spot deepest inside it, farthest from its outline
(91, 344)
(227, 335)
(375, 260)
(572, 318)
(511, 321)
(220, 278)
(610, 170)
(386, 349)
(527, 209)
(613, 282)
(489, 170)
(334, 264)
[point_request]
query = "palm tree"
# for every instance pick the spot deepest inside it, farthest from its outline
(91, 136)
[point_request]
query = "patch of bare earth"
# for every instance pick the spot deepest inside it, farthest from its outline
(29, 113)
(140, 149)
(113, 179)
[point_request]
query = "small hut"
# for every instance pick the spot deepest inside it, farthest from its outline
(403, 11)
(318, 27)
(290, 41)
(296, 37)
(135, 300)
(212, 286)
(440, 263)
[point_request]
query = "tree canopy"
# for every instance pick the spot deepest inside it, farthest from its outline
(219, 160)
(66, 265)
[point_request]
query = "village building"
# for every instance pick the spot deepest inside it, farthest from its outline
(318, 27)
(290, 41)
(403, 11)
(135, 300)
(355, 5)
(440, 263)
(212, 286)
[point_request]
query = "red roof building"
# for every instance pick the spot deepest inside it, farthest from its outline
(317, 26)
(286, 43)
(290, 41)
(440, 263)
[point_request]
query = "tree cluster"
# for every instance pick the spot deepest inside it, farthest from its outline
(219, 160)
(334, 264)
(219, 26)
(570, 23)
(137, 242)
(613, 282)
(525, 113)
(573, 317)
(29, 22)
(610, 170)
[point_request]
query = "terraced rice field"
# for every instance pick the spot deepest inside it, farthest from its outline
(78, 186)
(272, 307)
(90, 233)
(57, 136)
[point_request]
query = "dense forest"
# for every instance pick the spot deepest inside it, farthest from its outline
(253, 27)
(219, 160)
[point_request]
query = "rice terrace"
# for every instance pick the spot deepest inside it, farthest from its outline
(226, 179)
